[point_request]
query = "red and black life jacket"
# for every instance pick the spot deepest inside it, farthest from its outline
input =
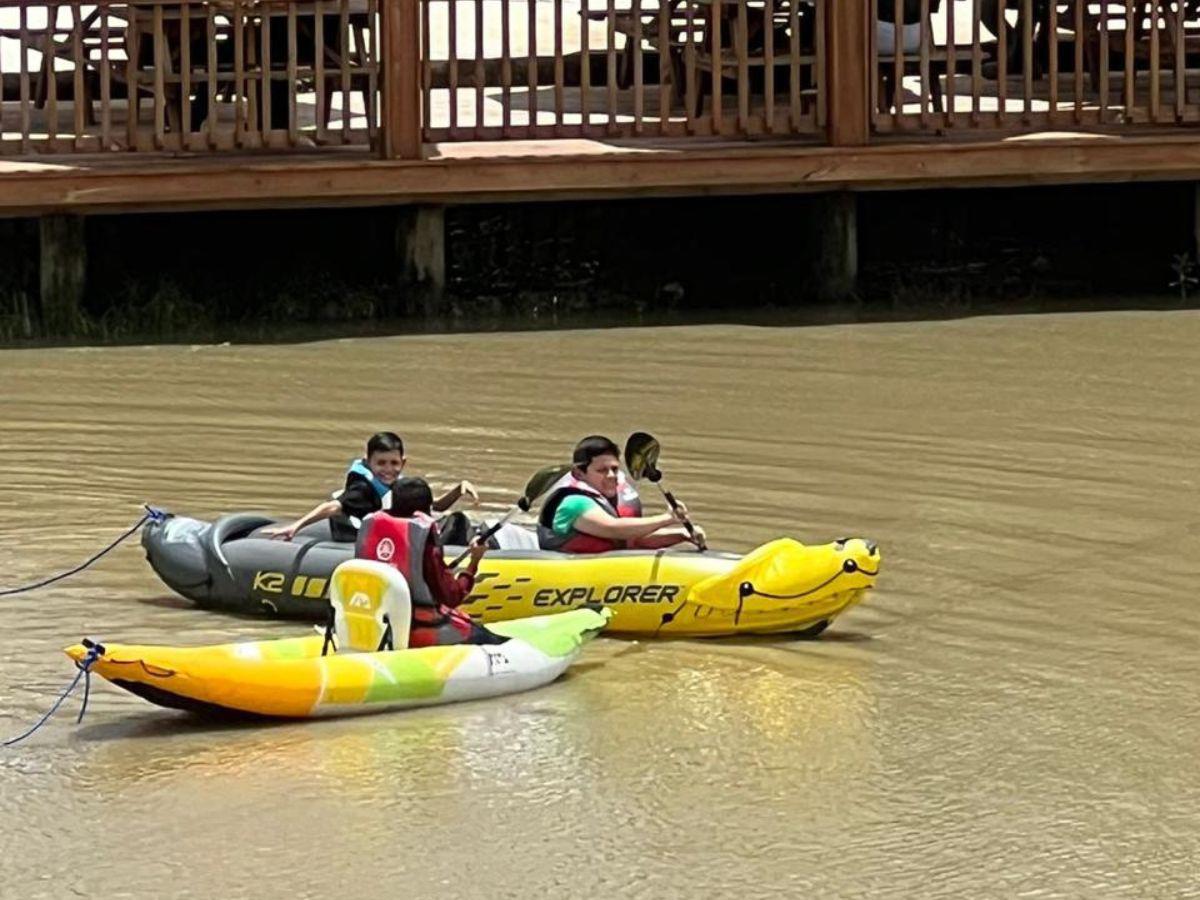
(628, 505)
(401, 543)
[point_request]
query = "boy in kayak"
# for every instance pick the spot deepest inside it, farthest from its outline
(368, 482)
(593, 508)
(406, 537)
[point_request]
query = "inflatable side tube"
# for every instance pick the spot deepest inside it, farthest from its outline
(230, 528)
(226, 587)
(287, 579)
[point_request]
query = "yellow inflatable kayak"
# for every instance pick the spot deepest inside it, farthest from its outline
(782, 586)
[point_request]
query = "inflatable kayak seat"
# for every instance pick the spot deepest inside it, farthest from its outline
(370, 608)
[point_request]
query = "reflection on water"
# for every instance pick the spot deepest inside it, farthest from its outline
(1013, 711)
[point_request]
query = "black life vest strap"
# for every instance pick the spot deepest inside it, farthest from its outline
(330, 624)
(387, 641)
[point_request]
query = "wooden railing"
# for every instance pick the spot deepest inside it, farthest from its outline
(393, 75)
(622, 68)
(182, 75)
(1029, 65)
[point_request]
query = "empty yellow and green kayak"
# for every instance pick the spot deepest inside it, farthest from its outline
(290, 678)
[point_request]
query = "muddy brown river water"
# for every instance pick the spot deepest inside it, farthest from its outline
(1014, 712)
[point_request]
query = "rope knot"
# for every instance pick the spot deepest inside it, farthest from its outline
(95, 650)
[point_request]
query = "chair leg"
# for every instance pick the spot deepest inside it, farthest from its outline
(702, 87)
(935, 90)
(89, 109)
(625, 69)
(1091, 55)
(678, 78)
(41, 91)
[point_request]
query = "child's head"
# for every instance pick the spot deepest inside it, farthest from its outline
(385, 456)
(597, 462)
(409, 496)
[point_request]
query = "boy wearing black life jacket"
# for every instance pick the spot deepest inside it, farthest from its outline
(368, 484)
(594, 508)
(406, 537)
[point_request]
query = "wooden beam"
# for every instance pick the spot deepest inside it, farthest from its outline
(401, 87)
(849, 72)
(112, 183)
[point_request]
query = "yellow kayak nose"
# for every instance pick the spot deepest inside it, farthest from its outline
(77, 652)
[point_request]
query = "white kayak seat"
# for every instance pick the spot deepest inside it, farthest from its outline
(370, 608)
(513, 537)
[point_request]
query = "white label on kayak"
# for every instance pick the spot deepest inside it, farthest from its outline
(498, 661)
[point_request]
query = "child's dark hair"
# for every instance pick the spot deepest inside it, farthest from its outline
(411, 495)
(385, 442)
(591, 447)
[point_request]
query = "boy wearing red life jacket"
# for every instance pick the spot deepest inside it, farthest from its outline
(594, 509)
(405, 536)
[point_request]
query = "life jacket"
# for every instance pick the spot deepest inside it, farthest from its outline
(628, 505)
(345, 528)
(401, 543)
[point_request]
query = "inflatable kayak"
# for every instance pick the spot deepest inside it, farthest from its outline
(781, 587)
(290, 678)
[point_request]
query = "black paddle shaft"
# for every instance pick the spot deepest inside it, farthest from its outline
(687, 523)
(541, 482)
(523, 504)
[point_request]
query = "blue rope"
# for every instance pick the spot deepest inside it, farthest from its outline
(152, 514)
(95, 651)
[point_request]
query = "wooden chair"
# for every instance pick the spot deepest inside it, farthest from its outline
(1148, 16)
(910, 60)
(644, 24)
(55, 43)
(753, 45)
(359, 25)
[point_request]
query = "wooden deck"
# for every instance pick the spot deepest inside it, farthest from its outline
(200, 104)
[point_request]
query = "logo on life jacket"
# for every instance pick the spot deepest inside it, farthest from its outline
(385, 550)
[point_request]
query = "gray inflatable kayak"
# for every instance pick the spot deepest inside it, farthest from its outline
(230, 565)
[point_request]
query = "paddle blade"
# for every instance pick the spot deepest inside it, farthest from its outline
(641, 455)
(542, 481)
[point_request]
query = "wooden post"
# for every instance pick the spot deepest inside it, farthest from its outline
(401, 79)
(63, 264)
(421, 245)
(1196, 220)
(835, 269)
(849, 73)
